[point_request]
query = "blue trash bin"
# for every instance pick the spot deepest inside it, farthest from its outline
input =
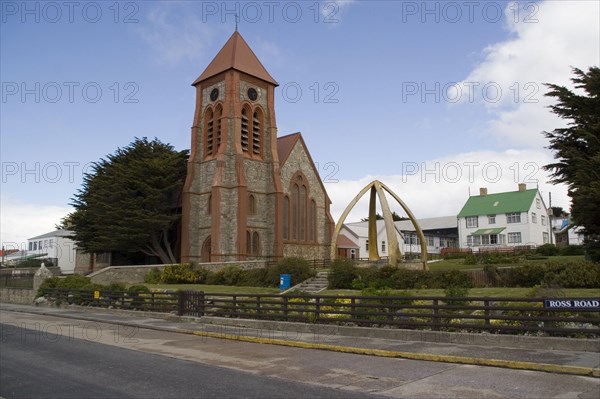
(285, 281)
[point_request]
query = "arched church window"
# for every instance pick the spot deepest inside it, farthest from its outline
(218, 115)
(256, 132)
(209, 131)
(286, 217)
(295, 198)
(206, 250)
(251, 205)
(248, 242)
(255, 244)
(302, 213)
(312, 221)
(209, 204)
(244, 139)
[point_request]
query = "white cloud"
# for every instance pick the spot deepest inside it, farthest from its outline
(566, 34)
(20, 221)
(441, 187)
(175, 35)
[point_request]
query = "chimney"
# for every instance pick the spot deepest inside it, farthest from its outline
(483, 191)
(522, 186)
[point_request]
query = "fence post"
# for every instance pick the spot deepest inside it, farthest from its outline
(202, 299)
(436, 312)
(258, 305)
(181, 297)
(317, 309)
(486, 304)
(234, 310)
(285, 307)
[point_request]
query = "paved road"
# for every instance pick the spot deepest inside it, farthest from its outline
(42, 364)
(322, 370)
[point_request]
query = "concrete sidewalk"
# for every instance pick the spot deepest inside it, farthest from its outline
(573, 356)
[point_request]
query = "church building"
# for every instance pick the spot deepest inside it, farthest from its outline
(248, 193)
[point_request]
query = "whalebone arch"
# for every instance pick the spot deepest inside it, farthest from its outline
(378, 189)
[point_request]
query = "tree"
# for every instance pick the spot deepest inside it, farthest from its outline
(130, 201)
(577, 151)
(558, 211)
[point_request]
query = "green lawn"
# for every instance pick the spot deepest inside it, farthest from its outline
(491, 292)
(458, 264)
(220, 289)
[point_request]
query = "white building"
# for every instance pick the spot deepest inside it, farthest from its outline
(56, 246)
(440, 232)
(515, 218)
(566, 233)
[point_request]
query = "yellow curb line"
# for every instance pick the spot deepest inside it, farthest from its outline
(510, 364)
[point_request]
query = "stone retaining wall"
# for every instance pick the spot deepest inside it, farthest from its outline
(17, 295)
(136, 274)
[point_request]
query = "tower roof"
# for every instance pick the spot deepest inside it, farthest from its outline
(236, 54)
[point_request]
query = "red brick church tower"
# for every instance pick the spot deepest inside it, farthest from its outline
(236, 205)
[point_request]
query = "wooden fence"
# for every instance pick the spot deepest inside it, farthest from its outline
(472, 314)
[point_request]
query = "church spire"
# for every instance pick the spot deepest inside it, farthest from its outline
(236, 54)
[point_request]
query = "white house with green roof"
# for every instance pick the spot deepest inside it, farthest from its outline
(513, 218)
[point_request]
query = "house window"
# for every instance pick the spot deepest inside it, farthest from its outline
(538, 203)
(30, 246)
(40, 245)
(51, 243)
(382, 246)
(430, 242)
(543, 220)
(489, 239)
(491, 219)
(286, 217)
(472, 221)
(514, 238)
(533, 217)
(546, 238)
(473, 241)
(514, 217)
(367, 245)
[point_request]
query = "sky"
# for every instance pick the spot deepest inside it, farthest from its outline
(435, 99)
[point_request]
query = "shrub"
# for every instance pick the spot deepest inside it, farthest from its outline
(470, 259)
(571, 250)
(138, 289)
(298, 269)
(453, 291)
(152, 277)
(178, 274)
(573, 274)
(117, 287)
(524, 276)
(230, 275)
(343, 273)
(548, 250)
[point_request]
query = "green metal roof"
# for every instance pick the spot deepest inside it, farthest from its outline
(493, 204)
(483, 232)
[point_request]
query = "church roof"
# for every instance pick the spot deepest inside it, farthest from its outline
(285, 145)
(236, 54)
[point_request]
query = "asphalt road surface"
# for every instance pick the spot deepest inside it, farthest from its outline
(40, 364)
(52, 356)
